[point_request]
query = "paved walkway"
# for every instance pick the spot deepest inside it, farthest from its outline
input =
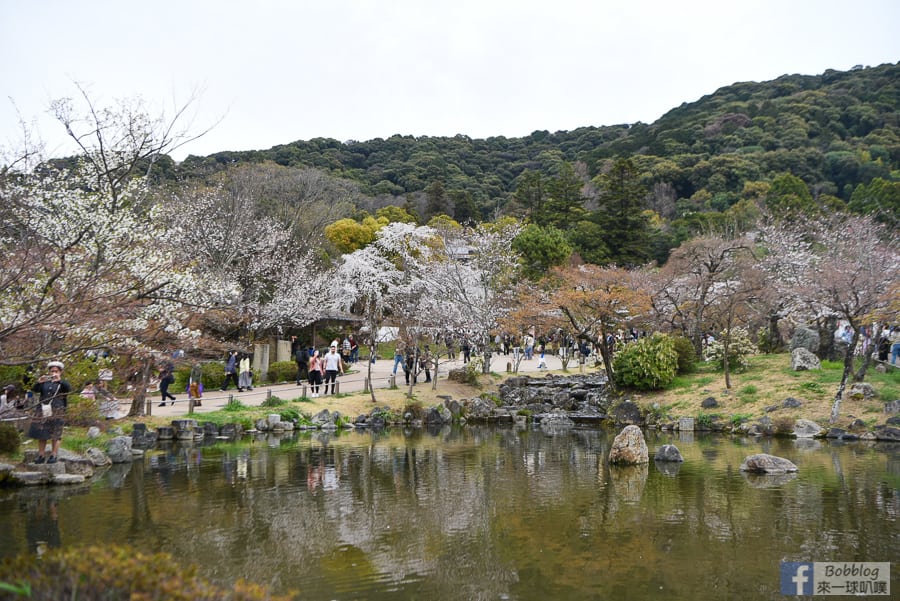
(382, 370)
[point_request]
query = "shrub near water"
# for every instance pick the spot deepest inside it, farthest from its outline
(648, 364)
(117, 572)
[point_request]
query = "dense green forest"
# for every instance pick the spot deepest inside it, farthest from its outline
(628, 193)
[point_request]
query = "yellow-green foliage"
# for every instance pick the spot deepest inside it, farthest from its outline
(648, 364)
(119, 572)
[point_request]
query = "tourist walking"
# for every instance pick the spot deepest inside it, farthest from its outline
(245, 379)
(398, 355)
(315, 374)
(333, 367)
(231, 366)
(48, 421)
(166, 379)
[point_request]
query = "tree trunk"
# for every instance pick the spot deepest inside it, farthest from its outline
(848, 369)
(826, 338)
(726, 345)
(139, 402)
(369, 372)
(867, 357)
(775, 339)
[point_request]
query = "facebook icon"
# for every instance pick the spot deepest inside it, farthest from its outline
(796, 578)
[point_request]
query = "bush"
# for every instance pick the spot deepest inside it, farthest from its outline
(290, 415)
(687, 355)
(739, 350)
(282, 371)
(9, 439)
(118, 572)
(648, 364)
(212, 376)
(273, 401)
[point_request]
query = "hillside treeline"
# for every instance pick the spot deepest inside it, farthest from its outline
(813, 143)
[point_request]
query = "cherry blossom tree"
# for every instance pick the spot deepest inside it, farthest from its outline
(85, 262)
(845, 266)
(384, 279)
(237, 248)
(472, 284)
(689, 284)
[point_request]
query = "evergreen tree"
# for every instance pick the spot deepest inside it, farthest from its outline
(625, 227)
(565, 203)
(435, 200)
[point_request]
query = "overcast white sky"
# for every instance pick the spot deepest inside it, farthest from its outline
(276, 71)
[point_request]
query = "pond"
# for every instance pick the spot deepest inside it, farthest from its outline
(482, 513)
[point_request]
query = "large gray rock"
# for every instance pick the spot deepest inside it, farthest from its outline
(862, 391)
(480, 409)
(767, 464)
(892, 407)
(804, 360)
(887, 433)
(709, 403)
(668, 453)
(557, 421)
(791, 403)
(805, 338)
(119, 450)
(805, 428)
(627, 413)
(629, 447)
(98, 458)
(323, 418)
(438, 415)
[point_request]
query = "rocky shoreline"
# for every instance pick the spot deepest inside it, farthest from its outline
(552, 402)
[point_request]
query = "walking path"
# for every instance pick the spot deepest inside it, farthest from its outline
(382, 370)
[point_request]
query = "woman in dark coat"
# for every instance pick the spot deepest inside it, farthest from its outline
(48, 421)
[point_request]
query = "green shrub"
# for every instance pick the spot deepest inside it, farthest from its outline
(687, 355)
(119, 572)
(282, 371)
(9, 439)
(273, 401)
(739, 350)
(290, 414)
(234, 404)
(472, 370)
(648, 364)
(212, 376)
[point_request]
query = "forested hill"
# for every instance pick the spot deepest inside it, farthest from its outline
(835, 131)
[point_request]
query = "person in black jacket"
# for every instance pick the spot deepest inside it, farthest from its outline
(48, 421)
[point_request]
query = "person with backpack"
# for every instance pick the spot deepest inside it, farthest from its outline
(166, 379)
(301, 358)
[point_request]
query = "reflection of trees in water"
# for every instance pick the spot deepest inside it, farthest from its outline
(463, 513)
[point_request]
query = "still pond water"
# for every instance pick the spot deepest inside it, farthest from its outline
(482, 513)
